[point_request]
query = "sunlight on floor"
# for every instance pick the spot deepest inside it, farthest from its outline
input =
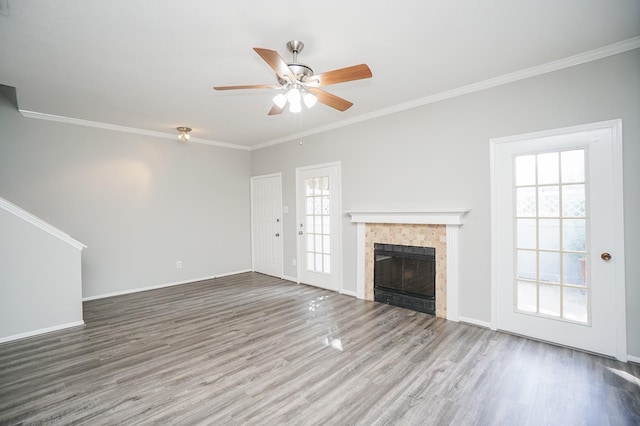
(628, 377)
(334, 343)
(315, 303)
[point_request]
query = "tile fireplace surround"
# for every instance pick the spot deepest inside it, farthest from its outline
(423, 228)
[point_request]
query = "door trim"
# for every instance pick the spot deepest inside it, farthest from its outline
(615, 126)
(281, 244)
(299, 219)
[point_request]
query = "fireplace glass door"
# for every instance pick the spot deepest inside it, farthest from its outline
(405, 276)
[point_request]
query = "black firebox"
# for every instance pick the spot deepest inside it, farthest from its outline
(405, 276)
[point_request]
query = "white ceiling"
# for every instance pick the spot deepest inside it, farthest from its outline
(151, 64)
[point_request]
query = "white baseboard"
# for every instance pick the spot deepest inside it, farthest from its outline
(40, 331)
(294, 279)
(633, 358)
(154, 287)
(349, 293)
(227, 274)
(472, 321)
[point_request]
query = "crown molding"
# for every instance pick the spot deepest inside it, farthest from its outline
(581, 58)
(125, 129)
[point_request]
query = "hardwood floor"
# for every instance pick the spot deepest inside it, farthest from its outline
(252, 349)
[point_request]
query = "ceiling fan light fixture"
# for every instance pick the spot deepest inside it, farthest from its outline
(280, 100)
(183, 133)
(295, 107)
(310, 99)
(293, 96)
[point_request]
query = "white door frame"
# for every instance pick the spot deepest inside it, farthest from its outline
(615, 126)
(280, 244)
(337, 227)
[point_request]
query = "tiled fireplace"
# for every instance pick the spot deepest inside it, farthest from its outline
(427, 228)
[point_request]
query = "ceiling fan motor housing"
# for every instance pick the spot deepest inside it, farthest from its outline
(301, 71)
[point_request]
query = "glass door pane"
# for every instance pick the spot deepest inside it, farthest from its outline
(551, 245)
(317, 217)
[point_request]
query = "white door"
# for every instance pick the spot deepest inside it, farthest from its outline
(319, 237)
(266, 224)
(557, 237)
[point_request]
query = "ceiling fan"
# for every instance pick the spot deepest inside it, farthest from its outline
(299, 84)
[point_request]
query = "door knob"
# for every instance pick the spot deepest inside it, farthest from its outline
(277, 234)
(300, 232)
(605, 256)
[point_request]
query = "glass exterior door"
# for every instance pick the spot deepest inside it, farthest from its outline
(318, 226)
(558, 252)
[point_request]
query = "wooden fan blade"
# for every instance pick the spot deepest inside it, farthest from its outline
(276, 62)
(275, 110)
(248, 86)
(356, 72)
(331, 100)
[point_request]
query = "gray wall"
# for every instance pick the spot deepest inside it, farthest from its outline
(40, 279)
(437, 156)
(139, 203)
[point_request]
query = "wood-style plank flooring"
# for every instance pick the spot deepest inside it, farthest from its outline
(252, 349)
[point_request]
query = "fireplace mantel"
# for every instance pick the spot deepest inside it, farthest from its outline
(417, 217)
(452, 218)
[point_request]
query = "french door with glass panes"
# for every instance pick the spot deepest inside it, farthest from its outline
(555, 248)
(318, 225)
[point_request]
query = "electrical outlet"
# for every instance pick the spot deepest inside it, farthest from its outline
(179, 264)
